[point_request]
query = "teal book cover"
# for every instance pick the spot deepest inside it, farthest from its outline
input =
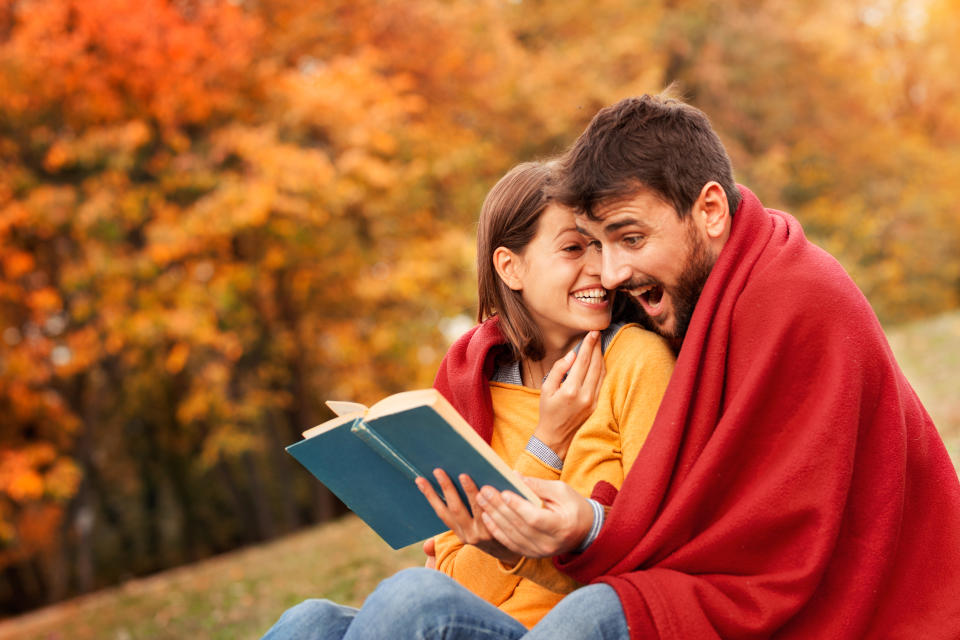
(369, 460)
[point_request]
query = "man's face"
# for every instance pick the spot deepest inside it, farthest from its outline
(659, 260)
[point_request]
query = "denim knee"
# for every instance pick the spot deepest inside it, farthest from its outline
(593, 611)
(313, 618)
(424, 603)
(422, 586)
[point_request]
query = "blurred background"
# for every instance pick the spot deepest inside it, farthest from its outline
(215, 215)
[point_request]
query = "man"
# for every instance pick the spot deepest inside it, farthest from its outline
(792, 485)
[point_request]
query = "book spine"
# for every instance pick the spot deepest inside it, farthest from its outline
(373, 440)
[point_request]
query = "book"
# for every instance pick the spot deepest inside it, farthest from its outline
(369, 457)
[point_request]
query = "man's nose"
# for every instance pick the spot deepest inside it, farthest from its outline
(614, 270)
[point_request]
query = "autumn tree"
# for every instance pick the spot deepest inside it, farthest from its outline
(214, 215)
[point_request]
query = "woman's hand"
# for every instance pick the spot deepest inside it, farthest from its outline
(565, 402)
(430, 549)
(454, 514)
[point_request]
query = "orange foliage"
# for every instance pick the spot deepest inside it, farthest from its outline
(214, 215)
(97, 61)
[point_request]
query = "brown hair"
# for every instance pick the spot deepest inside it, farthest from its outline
(509, 218)
(653, 142)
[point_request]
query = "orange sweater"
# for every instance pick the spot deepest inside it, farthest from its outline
(639, 364)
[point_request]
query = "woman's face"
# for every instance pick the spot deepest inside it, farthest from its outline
(558, 277)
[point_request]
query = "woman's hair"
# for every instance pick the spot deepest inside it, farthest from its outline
(509, 218)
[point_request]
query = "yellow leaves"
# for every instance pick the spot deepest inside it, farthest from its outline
(177, 357)
(290, 175)
(371, 170)
(49, 207)
(63, 479)
(115, 145)
(422, 267)
(227, 442)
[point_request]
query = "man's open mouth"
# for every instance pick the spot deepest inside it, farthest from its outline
(650, 298)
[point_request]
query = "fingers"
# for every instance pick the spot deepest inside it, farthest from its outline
(559, 369)
(512, 514)
(438, 506)
(451, 496)
(503, 529)
(430, 547)
(451, 508)
(472, 492)
(585, 356)
(595, 372)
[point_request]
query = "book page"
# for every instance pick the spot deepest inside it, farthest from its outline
(331, 424)
(342, 407)
(403, 401)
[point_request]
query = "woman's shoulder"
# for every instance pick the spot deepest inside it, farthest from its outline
(632, 343)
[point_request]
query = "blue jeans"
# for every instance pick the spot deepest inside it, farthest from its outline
(424, 604)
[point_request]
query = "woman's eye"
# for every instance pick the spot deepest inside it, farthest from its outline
(573, 248)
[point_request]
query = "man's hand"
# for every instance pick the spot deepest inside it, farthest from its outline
(454, 514)
(537, 532)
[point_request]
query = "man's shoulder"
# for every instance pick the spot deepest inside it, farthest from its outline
(803, 279)
(804, 297)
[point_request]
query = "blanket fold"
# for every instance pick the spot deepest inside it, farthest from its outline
(792, 485)
(465, 371)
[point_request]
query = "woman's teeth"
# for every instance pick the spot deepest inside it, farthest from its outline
(591, 296)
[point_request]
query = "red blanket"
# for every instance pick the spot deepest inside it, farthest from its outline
(792, 485)
(465, 372)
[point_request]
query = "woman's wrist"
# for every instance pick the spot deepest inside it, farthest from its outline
(557, 446)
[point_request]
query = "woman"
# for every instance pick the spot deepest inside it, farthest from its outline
(539, 294)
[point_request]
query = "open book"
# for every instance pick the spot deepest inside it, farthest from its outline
(369, 458)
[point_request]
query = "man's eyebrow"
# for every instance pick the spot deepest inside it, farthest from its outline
(624, 222)
(584, 232)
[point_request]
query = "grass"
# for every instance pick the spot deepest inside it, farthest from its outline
(239, 595)
(234, 596)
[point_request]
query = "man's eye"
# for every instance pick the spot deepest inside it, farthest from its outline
(595, 245)
(632, 241)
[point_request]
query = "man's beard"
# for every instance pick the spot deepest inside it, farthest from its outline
(685, 293)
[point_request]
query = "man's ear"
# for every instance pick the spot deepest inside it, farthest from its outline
(712, 212)
(508, 265)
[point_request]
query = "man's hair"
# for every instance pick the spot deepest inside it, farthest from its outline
(653, 142)
(509, 218)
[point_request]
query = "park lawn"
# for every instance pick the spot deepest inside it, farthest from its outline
(240, 594)
(233, 596)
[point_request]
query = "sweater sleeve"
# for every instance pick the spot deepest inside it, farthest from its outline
(541, 571)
